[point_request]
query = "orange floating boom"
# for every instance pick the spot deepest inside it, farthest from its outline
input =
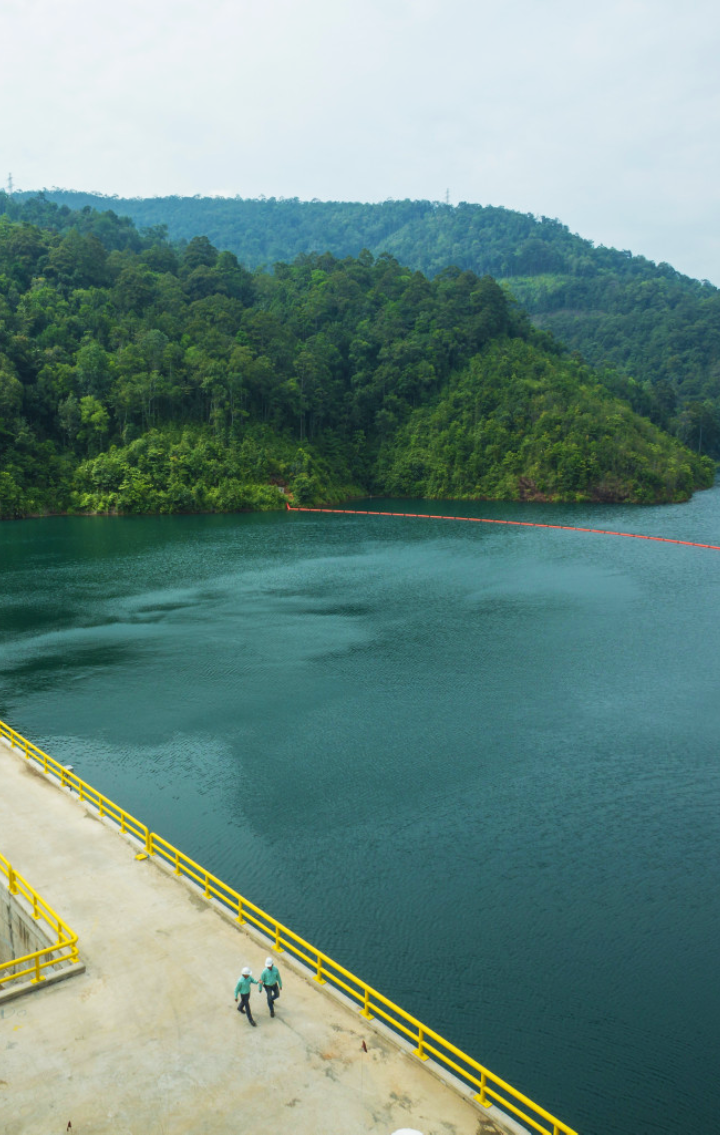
(516, 523)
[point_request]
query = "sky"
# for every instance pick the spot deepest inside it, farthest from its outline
(604, 115)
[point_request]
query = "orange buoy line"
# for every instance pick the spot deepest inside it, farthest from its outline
(516, 523)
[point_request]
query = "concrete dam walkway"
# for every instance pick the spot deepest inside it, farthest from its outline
(146, 1041)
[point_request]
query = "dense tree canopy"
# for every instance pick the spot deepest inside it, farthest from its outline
(517, 423)
(140, 376)
(657, 327)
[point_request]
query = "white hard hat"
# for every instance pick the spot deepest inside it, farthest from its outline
(269, 963)
(247, 971)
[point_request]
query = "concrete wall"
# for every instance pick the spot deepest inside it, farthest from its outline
(20, 933)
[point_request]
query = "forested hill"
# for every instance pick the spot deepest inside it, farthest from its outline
(656, 326)
(139, 377)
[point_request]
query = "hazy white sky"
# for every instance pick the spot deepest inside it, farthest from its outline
(605, 115)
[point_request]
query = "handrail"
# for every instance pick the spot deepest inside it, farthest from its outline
(63, 950)
(488, 1088)
(68, 779)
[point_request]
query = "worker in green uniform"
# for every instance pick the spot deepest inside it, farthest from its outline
(244, 984)
(271, 981)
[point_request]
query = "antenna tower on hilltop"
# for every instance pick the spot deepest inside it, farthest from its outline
(10, 183)
(447, 196)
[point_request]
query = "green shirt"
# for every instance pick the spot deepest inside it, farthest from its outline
(244, 985)
(271, 976)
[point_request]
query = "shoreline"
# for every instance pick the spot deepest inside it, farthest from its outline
(349, 500)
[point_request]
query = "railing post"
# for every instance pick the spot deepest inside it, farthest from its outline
(177, 862)
(318, 973)
(365, 1011)
(149, 842)
(207, 885)
(36, 912)
(240, 918)
(277, 945)
(45, 760)
(480, 1097)
(27, 754)
(12, 884)
(419, 1051)
(38, 976)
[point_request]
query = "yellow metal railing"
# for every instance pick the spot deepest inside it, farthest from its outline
(67, 778)
(63, 949)
(487, 1087)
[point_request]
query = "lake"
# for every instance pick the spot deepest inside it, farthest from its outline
(477, 765)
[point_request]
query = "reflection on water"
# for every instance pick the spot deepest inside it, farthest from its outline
(486, 753)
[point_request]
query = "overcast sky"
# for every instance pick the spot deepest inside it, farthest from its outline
(604, 115)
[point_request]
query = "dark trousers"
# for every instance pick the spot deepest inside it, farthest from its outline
(244, 1006)
(272, 992)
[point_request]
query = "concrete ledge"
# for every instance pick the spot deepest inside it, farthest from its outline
(12, 992)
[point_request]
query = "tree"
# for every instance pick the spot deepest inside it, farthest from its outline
(93, 368)
(95, 420)
(11, 392)
(69, 418)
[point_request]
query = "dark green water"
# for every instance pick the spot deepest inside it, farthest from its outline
(478, 766)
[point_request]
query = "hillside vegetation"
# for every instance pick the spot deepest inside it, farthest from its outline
(139, 377)
(517, 422)
(658, 329)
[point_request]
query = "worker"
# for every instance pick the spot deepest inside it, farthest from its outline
(271, 981)
(244, 984)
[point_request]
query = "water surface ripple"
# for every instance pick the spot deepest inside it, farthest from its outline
(477, 765)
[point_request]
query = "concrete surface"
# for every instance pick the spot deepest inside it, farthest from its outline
(148, 1041)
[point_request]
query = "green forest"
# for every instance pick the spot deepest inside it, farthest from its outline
(141, 375)
(646, 321)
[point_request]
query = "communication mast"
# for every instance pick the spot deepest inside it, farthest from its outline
(447, 196)
(10, 183)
